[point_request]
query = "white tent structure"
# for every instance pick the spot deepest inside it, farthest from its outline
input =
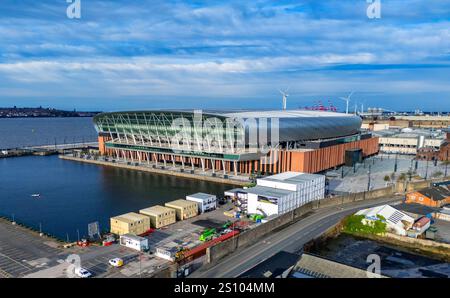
(397, 221)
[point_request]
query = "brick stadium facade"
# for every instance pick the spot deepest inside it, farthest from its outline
(127, 139)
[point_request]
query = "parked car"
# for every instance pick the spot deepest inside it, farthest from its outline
(83, 273)
(116, 262)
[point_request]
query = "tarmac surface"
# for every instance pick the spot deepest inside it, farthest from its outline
(291, 239)
(23, 252)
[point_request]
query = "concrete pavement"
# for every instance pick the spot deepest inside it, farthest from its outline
(379, 168)
(291, 239)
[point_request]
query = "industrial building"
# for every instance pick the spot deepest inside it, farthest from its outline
(233, 143)
(160, 216)
(375, 126)
(183, 209)
(313, 266)
(130, 223)
(441, 153)
(409, 141)
(205, 202)
(397, 222)
(279, 193)
(412, 121)
(434, 196)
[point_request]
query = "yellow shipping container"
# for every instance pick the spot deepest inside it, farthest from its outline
(160, 216)
(130, 223)
(184, 209)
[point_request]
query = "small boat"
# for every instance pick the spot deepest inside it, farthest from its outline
(36, 195)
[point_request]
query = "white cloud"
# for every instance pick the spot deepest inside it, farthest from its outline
(232, 49)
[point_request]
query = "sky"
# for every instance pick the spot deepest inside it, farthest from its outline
(136, 54)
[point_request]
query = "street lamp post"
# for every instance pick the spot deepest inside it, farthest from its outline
(410, 174)
(368, 179)
(140, 264)
(446, 164)
(395, 165)
(426, 171)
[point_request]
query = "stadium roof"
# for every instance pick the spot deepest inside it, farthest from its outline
(291, 125)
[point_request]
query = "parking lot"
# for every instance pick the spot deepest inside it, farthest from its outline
(95, 258)
(22, 252)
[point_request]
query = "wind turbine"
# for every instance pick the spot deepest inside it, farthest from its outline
(285, 96)
(347, 100)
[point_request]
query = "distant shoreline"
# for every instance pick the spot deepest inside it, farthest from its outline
(40, 112)
(28, 117)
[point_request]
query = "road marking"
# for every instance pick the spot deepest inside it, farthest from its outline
(308, 221)
(5, 274)
(14, 261)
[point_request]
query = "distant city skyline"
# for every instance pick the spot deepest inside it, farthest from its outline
(127, 55)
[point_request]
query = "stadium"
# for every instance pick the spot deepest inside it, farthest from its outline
(234, 142)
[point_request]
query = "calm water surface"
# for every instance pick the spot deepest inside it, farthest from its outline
(74, 194)
(20, 132)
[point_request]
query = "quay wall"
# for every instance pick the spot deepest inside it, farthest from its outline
(158, 171)
(430, 248)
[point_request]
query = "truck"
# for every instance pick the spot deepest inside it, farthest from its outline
(207, 234)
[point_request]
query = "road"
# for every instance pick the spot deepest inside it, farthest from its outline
(291, 239)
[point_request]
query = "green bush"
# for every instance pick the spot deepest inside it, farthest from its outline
(437, 174)
(402, 177)
(354, 224)
(250, 184)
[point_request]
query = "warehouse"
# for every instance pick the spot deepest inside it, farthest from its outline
(160, 216)
(205, 202)
(435, 196)
(130, 223)
(183, 209)
(268, 201)
(309, 186)
(279, 193)
(409, 141)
